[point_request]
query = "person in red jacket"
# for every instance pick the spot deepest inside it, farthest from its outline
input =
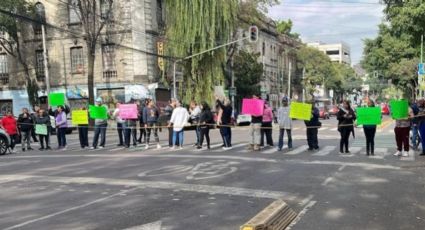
(8, 123)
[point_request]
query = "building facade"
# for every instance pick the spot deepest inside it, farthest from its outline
(338, 52)
(123, 55)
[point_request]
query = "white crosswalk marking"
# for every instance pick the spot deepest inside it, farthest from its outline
(269, 151)
(353, 151)
(334, 129)
(325, 151)
(323, 128)
(411, 157)
(380, 153)
(297, 150)
(233, 147)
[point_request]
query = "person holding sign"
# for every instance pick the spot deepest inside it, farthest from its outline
(100, 125)
(256, 121)
(369, 132)
(83, 131)
(43, 120)
(346, 117)
(402, 129)
(120, 125)
(267, 126)
(313, 128)
(61, 125)
(285, 124)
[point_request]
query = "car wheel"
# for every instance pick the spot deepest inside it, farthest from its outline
(3, 145)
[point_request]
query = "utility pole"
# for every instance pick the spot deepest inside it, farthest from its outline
(289, 80)
(304, 84)
(232, 83)
(174, 80)
(46, 65)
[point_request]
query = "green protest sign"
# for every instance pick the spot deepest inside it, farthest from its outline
(41, 129)
(399, 109)
(369, 116)
(56, 99)
(98, 112)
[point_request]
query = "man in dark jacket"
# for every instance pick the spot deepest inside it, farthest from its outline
(168, 111)
(142, 122)
(150, 116)
(44, 119)
(225, 122)
(312, 129)
(25, 124)
(34, 116)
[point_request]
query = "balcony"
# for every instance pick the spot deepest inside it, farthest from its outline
(4, 78)
(110, 74)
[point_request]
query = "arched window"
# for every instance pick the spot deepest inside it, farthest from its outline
(40, 17)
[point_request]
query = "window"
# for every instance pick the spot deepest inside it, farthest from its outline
(4, 70)
(40, 16)
(105, 9)
(39, 65)
(74, 12)
(77, 60)
(332, 52)
(108, 59)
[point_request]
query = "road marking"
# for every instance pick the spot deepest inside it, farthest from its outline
(379, 153)
(150, 226)
(301, 214)
(323, 128)
(233, 147)
(334, 129)
(325, 151)
(269, 151)
(361, 165)
(341, 168)
(199, 188)
(411, 157)
(326, 182)
(306, 200)
(297, 150)
(69, 210)
(353, 151)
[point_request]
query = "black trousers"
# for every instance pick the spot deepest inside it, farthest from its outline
(130, 133)
(44, 139)
(33, 135)
(152, 126)
(345, 136)
(370, 139)
(142, 132)
(205, 133)
(120, 131)
(13, 140)
(312, 141)
(266, 131)
(83, 135)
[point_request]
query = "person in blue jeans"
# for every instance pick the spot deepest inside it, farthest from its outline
(61, 125)
(415, 126)
(178, 120)
(225, 121)
(100, 126)
(285, 124)
(421, 124)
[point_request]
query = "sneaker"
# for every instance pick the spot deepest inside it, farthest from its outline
(398, 153)
(64, 148)
(41, 149)
(198, 147)
(158, 146)
(23, 150)
(181, 147)
(100, 147)
(92, 148)
(405, 154)
(227, 148)
(279, 149)
(422, 154)
(118, 145)
(147, 147)
(173, 148)
(30, 148)
(347, 152)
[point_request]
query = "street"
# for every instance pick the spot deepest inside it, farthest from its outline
(113, 188)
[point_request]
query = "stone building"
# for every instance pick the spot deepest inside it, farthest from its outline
(123, 53)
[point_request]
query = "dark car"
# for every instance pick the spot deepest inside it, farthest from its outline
(4, 142)
(323, 113)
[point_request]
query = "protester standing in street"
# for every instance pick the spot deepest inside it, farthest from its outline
(100, 126)
(142, 122)
(205, 121)
(168, 111)
(178, 120)
(225, 121)
(255, 131)
(151, 115)
(402, 133)
(83, 134)
(421, 124)
(9, 124)
(415, 123)
(61, 125)
(195, 113)
(120, 124)
(44, 119)
(346, 118)
(312, 128)
(369, 132)
(34, 115)
(130, 132)
(267, 126)
(25, 125)
(285, 124)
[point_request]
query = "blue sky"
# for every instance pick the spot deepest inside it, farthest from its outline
(332, 21)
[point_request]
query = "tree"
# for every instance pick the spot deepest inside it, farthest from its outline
(13, 43)
(248, 73)
(209, 22)
(318, 68)
(93, 25)
(285, 27)
(345, 81)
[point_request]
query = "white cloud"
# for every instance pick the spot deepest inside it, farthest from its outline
(332, 21)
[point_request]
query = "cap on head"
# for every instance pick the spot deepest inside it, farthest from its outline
(99, 100)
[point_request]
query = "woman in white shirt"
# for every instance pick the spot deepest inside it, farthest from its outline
(179, 119)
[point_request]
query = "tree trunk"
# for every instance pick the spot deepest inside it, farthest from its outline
(90, 77)
(31, 84)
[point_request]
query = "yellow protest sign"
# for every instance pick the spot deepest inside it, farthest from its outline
(80, 117)
(300, 111)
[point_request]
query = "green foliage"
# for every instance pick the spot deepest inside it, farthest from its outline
(197, 26)
(248, 73)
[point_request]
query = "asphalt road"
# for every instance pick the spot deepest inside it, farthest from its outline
(115, 188)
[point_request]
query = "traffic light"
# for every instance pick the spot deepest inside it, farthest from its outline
(253, 33)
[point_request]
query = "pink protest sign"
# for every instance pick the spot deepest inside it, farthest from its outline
(253, 107)
(128, 111)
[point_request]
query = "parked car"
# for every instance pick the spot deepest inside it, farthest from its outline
(4, 142)
(323, 113)
(385, 109)
(243, 120)
(333, 110)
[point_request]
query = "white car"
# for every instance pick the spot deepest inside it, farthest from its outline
(4, 142)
